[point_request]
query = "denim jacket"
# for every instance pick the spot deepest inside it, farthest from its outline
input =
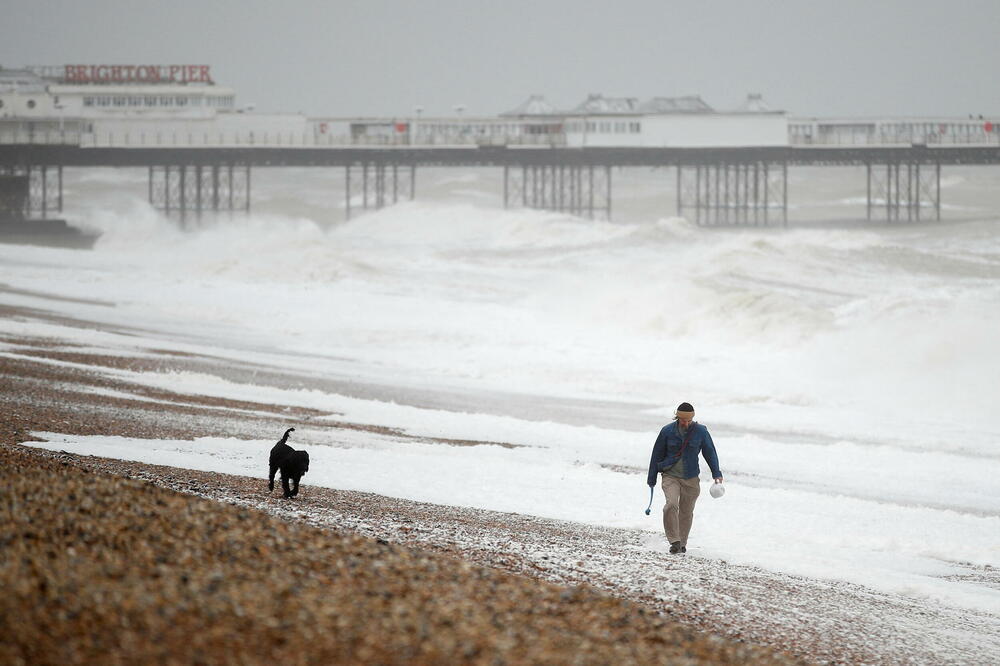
(667, 450)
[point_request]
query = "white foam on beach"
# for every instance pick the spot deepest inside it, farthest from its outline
(846, 373)
(816, 531)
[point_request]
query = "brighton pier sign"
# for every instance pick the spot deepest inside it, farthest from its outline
(137, 74)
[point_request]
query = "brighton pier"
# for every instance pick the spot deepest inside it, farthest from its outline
(730, 168)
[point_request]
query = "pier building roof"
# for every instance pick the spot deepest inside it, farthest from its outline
(755, 104)
(685, 104)
(20, 80)
(599, 104)
(535, 105)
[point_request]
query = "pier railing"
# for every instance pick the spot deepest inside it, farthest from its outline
(895, 141)
(12, 134)
(308, 139)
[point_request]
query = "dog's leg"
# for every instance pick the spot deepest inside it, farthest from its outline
(284, 485)
(270, 478)
(295, 491)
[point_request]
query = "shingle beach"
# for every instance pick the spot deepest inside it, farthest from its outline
(113, 561)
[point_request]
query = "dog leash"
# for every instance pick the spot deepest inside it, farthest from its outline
(650, 500)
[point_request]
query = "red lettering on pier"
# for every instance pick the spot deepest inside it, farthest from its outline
(137, 74)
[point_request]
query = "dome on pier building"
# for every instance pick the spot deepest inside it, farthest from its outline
(755, 104)
(535, 105)
(597, 103)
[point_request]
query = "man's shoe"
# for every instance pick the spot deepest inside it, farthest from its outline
(675, 547)
(684, 549)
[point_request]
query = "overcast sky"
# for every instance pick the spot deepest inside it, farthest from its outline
(375, 57)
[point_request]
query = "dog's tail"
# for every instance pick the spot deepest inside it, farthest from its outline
(284, 438)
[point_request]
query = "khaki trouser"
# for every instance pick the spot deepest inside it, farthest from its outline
(678, 513)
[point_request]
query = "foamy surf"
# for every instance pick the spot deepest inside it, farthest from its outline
(845, 372)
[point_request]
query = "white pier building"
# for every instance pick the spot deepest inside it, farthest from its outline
(731, 165)
(182, 106)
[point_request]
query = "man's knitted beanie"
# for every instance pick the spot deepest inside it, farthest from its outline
(685, 409)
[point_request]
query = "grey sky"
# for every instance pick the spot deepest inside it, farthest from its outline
(375, 57)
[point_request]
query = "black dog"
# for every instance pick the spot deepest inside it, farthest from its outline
(293, 464)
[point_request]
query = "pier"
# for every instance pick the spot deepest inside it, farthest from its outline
(202, 152)
(740, 186)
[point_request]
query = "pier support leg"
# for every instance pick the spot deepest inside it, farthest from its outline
(767, 193)
(347, 192)
(197, 183)
(183, 194)
(937, 196)
(904, 191)
(45, 192)
(45, 188)
(868, 208)
(738, 194)
(180, 190)
(246, 199)
(380, 185)
(215, 188)
(583, 190)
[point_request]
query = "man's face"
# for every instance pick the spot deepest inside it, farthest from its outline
(684, 421)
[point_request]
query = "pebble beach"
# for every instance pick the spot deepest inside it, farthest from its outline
(114, 562)
(123, 562)
(107, 561)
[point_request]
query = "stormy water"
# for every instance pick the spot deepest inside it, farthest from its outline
(846, 369)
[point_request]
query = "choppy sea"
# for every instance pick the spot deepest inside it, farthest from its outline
(847, 370)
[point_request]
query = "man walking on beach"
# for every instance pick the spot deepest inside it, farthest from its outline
(675, 456)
